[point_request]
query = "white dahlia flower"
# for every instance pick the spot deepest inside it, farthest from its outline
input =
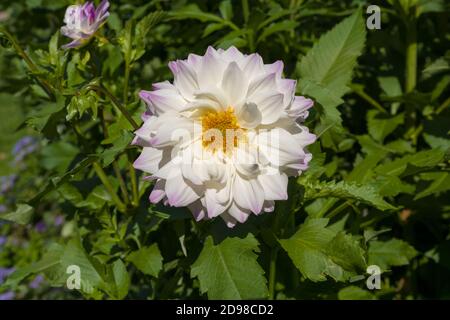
(224, 137)
(82, 22)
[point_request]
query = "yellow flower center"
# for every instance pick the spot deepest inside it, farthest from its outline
(220, 130)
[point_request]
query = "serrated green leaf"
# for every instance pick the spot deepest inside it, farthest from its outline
(22, 215)
(58, 156)
(332, 59)
(393, 252)
(318, 251)
(380, 125)
(230, 270)
(441, 183)
(421, 159)
(355, 293)
(147, 259)
(121, 278)
(366, 193)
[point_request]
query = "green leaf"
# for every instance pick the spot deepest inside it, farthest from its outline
(380, 125)
(230, 269)
(121, 278)
(421, 159)
(286, 25)
(365, 193)
(355, 293)
(70, 193)
(437, 142)
(226, 9)
(390, 186)
(44, 118)
(22, 215)
(50, 259)
(441, 183)
(318, 251)
(393, 252)
(332, 59)
(58, 156)
(147, 259)
(118, 146)
(329, 114)
(192, 11)
(55, 182)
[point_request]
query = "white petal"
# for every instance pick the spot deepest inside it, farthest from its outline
(179, 193)
(248, 194)
(299, 108)
(262, 85)
(254, 66)
(163, 100)
(229, 220)
(213, 206)
(279, 147)
(249, 116)
(270, 106)
(148, 160)
(238, 213)
(197, 209)
(234, 84)
(211, 70)
(274, 185)
(158, 192)
(185, 79)
(276, 67)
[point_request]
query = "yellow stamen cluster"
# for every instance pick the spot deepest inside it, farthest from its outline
(222, 125)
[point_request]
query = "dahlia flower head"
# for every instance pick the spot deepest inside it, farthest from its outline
(82, 22)
(223, 138)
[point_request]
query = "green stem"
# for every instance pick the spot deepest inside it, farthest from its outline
(411, 56)
(134, 185)
(360, 92)
(104, 179)
(33, 68)
(125, 86)
(443, 106)
(411, 66)
(338, 209)
(122, 185)
(245, 10)
(273, 272)
(116, 102)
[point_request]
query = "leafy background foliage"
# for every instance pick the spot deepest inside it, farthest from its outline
(376, 191)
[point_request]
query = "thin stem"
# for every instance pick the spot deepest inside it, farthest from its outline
(411, 56)
(245, 11)
(360, 92)
(338, 209)
(134, 185)
(273, 272)
(104, 179)
(123, 186)
(411, 66)
(33, 68)
(443, 106)
(116, 102)
(125, 86)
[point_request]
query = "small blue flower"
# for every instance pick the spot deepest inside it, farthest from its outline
(24, 147)
(4, 272)
(40, 227)
(7, 183)
(8, 295)
(36, 283)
